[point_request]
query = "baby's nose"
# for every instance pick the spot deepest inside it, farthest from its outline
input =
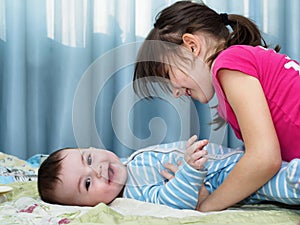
(104, 170)
(97, 170)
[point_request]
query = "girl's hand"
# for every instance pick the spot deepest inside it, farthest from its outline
(202, 195)
(195, 154)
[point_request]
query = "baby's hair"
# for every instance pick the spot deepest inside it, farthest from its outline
(174, 21)
(48, 176)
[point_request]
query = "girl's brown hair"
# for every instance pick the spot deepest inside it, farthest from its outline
(188, 17)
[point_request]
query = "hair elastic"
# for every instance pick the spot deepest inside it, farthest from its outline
(224, 17)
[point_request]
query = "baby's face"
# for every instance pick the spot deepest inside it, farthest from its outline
(90, 176)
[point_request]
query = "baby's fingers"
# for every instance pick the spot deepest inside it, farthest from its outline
(191, 141)
(173, 168)
(167, 175)
(197, 159)
(199, 154)
(199, 164)
(170, 167)
(199, 145)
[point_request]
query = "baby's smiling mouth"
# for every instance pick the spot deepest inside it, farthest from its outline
(110, 174)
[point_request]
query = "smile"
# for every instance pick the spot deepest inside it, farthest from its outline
(110, 174)
(188, 92)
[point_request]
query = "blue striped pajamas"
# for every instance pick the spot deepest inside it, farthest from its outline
(145, 183)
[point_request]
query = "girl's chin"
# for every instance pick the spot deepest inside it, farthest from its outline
(203, 99)
(195, 97)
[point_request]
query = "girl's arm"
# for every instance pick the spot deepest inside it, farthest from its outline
(262, 158)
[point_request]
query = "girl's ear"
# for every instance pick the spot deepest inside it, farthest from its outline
(192, 43)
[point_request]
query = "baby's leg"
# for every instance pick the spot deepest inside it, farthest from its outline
(284, 187)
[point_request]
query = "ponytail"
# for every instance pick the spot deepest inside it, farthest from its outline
(245, 32)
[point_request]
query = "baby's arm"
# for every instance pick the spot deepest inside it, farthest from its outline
(181, 191)
(194, 156)
(185, 181)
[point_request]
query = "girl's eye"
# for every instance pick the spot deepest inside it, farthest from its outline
(87, 183)
(89, 160)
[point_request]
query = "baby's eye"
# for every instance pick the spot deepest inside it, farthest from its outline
(87, 183)
(89, 160)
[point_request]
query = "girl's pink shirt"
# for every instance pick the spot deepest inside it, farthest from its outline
(280, 79)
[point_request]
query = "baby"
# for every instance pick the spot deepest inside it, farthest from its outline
(86, 177)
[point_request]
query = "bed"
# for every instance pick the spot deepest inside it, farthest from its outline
(22, 205)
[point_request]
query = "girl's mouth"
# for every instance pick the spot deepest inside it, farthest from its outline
(188, 92)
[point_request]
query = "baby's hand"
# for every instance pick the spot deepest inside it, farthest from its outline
(172, 168)
(195, 154)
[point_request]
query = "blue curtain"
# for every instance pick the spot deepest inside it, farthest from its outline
(66, 74)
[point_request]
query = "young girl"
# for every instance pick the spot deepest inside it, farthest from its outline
(257, 88)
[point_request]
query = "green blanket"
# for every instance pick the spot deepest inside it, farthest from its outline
(102, 214)
(23, 206)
